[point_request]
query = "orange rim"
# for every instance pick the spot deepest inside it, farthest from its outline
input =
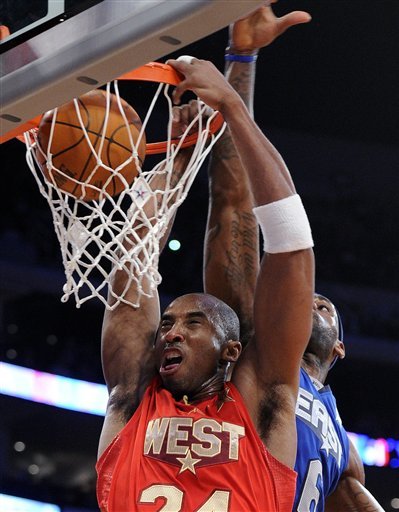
(151, 72)
(20, 130)
(154, 72)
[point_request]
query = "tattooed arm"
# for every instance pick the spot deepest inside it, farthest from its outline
(231, 260)
(231, 243)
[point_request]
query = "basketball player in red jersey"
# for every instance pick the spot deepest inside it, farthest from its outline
(231, 265)
(176, 435)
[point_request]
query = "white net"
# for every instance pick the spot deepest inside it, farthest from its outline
(120, 232)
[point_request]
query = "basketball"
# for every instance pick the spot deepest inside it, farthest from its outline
(74, 166)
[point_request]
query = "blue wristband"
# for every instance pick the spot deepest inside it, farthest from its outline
(240, 58)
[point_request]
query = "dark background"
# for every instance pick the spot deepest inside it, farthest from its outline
(327, 97)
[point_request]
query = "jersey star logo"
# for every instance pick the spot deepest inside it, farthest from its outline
(187, 463)
(325, 446)
(224, 398)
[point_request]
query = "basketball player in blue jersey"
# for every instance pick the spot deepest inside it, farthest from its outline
(330, 472)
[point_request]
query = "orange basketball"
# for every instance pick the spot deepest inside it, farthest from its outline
(71, 153)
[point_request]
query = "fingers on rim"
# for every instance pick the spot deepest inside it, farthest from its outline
(186, 58)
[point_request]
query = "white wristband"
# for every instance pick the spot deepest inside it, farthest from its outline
(284, 225)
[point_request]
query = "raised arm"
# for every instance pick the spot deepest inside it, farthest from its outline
(268, 374)
(231, 261)
(128, 333)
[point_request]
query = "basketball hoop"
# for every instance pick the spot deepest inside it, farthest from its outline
(121, 231)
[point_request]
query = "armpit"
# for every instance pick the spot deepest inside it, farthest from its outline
(272, 408)
(123, 404)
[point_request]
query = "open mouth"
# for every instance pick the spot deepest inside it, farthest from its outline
(170, 362)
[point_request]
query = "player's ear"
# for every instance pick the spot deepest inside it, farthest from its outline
(231, 351)
(339, 349)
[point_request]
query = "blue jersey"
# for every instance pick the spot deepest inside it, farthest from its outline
(323, 446)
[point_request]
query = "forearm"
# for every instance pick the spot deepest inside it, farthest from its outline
(231, 260)
(352, 496)
(227, 175)
(260, 158)
(225, 167)
(241, 75)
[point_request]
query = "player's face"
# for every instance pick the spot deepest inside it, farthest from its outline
(325, 327)
(324, 313)
(187, 350)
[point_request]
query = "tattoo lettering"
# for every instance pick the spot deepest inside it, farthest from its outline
(225, 149)
(242, 83)
(241, 265)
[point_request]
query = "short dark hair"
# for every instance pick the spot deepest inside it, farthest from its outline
(225, 317)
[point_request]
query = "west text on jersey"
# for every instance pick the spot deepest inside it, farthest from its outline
(190, 443)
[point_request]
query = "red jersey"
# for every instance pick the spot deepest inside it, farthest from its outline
(192, 458)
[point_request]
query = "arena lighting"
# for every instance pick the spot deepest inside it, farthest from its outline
(88, 397)
(174, 245)
(14, 504)
(46, 388)
(376, 452)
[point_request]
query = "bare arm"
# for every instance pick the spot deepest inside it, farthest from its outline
(268, 373)
(127, 338)
(231, 261)
(350, 494)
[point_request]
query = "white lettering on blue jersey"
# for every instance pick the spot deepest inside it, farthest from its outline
(314, 413)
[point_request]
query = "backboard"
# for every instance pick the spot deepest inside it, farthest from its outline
(69, 47)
